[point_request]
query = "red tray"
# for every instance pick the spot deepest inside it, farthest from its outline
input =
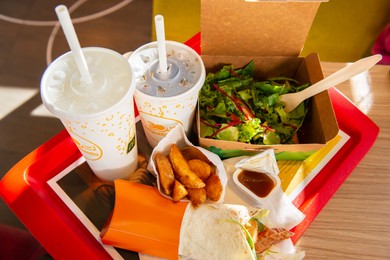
(26, 190)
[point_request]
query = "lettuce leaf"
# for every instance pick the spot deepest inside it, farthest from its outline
(236, 107)
(249, 129)
(229, 134)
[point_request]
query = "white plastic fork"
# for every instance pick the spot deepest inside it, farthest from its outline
(292, 100)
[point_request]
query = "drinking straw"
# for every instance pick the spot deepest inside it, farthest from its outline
(71, 37)
(161, 45)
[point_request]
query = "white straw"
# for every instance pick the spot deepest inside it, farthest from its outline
(71, 37)
(162, 51)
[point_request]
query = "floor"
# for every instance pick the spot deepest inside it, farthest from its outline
(30, 39)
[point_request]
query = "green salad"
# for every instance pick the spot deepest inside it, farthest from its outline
(236, 107)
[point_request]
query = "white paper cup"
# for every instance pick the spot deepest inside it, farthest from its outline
(162, 102)
(99, 117)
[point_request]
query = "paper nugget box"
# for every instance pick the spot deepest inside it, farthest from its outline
(272, 34)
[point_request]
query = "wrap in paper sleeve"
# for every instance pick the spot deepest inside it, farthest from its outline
(146, 222)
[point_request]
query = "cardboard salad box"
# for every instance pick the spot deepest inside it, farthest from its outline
(272, 34)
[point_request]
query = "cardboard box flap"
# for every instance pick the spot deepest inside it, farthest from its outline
(255, 28)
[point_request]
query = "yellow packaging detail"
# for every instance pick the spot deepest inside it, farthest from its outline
(294, 174)
(288, 169)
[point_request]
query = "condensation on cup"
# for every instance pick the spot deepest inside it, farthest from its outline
(163, 101)
(98, 116)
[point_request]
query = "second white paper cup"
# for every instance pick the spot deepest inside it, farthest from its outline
(161, 112)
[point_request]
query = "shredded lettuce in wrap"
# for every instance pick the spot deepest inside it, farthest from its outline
(274, 252)
(248, 237)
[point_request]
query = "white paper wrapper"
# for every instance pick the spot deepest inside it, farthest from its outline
(282, 212)
(178, 137)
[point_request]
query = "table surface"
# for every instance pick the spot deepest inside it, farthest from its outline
(355, 222)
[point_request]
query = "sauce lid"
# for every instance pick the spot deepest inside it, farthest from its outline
(262, 162)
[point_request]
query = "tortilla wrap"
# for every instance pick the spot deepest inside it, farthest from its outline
(210, 232)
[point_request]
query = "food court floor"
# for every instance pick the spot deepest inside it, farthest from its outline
(30, 39)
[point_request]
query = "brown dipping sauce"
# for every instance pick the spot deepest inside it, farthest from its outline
(259, 183)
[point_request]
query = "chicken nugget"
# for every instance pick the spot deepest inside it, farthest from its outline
(201, 168)
(165, 172)
(214, 187)
(182, 170)
(191, 152)
(213, 169)
(179, 191)
(197, 196)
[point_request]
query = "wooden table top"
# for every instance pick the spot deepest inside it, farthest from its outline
(355, 222)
